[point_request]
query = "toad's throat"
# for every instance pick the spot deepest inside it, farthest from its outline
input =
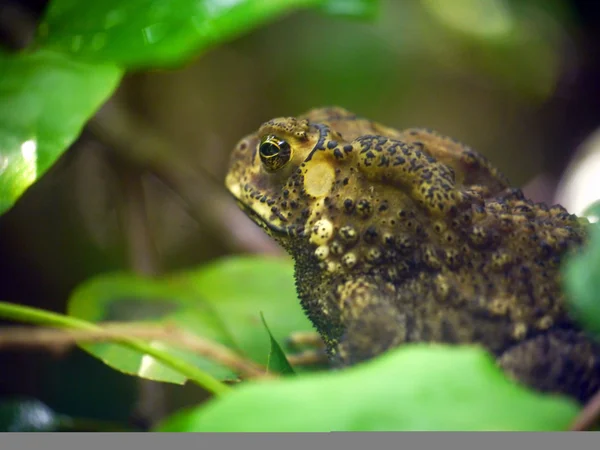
(258, 219)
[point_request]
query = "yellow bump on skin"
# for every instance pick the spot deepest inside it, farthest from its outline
(519, 330)
(333, 267)
(319, 179)
(439, 226)
(349, 259)
(499, 306)
(443, 286)
(390, 288)
(322, 252)
(322, 232)
(545, 322)
(387, 238)
(373, 254)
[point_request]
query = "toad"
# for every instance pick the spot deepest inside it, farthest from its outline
(410, 236)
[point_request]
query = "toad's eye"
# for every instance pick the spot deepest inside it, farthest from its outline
(274, 152)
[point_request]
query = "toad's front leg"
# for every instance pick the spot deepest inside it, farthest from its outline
(372, 322)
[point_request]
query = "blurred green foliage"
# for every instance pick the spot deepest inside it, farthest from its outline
(155, 33)
(419, 387)
(222, 301)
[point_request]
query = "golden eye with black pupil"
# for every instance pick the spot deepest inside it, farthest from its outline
(274, 152)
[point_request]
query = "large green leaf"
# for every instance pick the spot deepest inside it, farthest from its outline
(45, 99)
(417, 387)
(221, 301)
(151, 32)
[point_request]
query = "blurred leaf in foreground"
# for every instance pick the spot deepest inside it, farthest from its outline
(417, 387)
(154, 32)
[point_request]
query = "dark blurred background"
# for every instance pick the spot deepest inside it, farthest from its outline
(517, 80)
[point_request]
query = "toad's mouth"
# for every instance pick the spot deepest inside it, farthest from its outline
(258, 219)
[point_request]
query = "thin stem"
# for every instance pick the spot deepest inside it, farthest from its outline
(57, 339)
(40, 317)
(589, 416)
(139, 241)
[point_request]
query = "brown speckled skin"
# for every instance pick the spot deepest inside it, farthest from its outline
(408, 236)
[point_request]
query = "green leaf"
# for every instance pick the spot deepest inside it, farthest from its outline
(351, 8)
(221, 301)
(277, 361)
(45, 99)
(156, 32)
(416, 387)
